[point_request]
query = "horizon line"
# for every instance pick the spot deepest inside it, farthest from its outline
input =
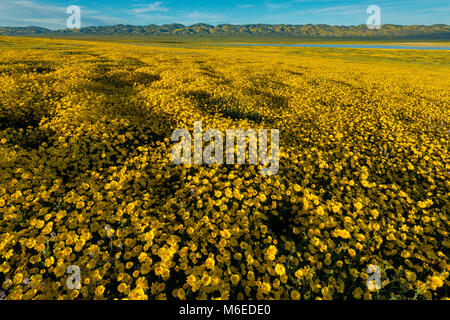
(227, 24)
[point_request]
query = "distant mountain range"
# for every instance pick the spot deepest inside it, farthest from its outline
(437, 31)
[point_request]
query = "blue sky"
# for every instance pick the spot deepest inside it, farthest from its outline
(52, 13)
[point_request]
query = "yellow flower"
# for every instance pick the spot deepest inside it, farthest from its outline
(342, 233)
(228, 193)
(271, 253)
(358, 205)
(266, 287)
(74, 294)
(235, 279)
(405, 254)
(122, 287)
(206, 280)
(99, 290)
(225, 233)
(391, 237)
(436, 282)
(295, 295)
(422, 204)
(357, 293)
(210, 263)
(351, 252)
(181, 294)
(18, 277)
(279, 269)
(80, 205)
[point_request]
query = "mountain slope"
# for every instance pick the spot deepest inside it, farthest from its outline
(438, 31)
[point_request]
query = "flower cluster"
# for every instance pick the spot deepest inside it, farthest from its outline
(86, 177)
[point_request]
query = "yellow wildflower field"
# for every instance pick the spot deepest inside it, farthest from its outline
(86, 177)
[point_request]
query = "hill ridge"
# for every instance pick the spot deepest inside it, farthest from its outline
(387, 31)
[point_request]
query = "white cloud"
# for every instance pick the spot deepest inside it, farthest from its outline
(276, 6)
(151, 7)
(245, 6)
(23, 13)
(342, 10)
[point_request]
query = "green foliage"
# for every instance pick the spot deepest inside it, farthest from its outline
(308, 31)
